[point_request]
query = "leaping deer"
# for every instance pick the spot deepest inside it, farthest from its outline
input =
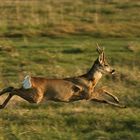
(38, 89)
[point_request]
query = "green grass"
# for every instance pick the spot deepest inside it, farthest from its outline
(64, 57)
(96, 18)
(58, 39)
(70, 121)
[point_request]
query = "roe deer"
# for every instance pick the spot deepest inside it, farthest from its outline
(38, 89)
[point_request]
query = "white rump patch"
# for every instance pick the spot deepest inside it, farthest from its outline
(27, 82)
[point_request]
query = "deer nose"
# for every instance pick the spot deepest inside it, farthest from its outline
(113, 71)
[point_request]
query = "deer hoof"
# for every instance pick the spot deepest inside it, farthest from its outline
(123, 106)
(117, 100)
(1, 107)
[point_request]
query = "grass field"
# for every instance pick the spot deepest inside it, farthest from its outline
(58, 39)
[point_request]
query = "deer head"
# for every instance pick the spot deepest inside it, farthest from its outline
(101, 62)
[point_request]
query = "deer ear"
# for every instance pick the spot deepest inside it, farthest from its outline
(103, 57)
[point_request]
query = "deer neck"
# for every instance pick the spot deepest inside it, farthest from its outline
(94, 75)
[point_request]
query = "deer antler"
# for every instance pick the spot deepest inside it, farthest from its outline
(99, 49)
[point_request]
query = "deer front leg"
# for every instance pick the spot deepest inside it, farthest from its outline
(104, 91)
(113, 96)
(96, 96)
(114, 104)
(108, 102)
(6, 101)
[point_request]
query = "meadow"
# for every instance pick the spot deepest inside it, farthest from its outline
(57, 39)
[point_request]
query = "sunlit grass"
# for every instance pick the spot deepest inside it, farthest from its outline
(52, 18)
(57, 39)
(65, 57)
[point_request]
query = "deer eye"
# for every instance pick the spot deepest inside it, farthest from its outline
(106, 65)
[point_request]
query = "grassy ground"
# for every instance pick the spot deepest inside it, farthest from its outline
(113, 18)
(41, 38)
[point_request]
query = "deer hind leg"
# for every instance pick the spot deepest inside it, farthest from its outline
(5, 90)
(6, 101)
